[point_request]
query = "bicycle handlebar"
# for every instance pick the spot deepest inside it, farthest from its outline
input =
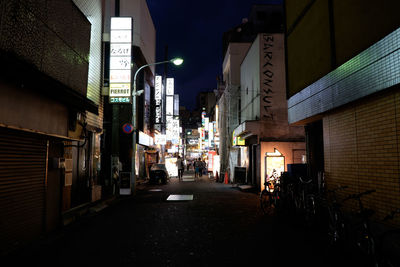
(358, 196)
(305, 182)
(338, 188)
(391, 215)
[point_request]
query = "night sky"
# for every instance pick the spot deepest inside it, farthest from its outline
(193, 30)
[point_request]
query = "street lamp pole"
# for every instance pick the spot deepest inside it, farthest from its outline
(175, 61)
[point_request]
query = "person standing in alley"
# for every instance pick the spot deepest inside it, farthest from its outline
(196, 166)
(200, 164)
(180, 166)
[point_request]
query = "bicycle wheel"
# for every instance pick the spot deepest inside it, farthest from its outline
(389, 247)
(336, 231)
(309, 211)
(266, 202)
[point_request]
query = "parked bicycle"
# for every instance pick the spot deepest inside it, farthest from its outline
(336, 223)
(304, 200)
(389, 244)
(362, 235)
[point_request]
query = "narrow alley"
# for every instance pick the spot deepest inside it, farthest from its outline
(221, 226)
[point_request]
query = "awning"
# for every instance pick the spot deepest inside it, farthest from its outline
(247, 129)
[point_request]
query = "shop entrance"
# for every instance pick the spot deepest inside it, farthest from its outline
(315, 148)
(274, 165)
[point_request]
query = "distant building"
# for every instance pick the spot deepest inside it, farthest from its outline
(205, 100)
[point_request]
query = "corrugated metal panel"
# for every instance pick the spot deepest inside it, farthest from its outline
(22, 187)
(93, 12)
(96, 120)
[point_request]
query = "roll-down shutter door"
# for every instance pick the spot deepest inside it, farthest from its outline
(22, 187)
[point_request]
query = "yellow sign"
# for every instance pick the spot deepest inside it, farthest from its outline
(237, 141)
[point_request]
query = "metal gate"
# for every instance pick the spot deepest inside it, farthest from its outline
(22, 187)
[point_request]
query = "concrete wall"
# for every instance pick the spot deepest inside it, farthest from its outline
(263, 89)
(233, 58)
(250, 82)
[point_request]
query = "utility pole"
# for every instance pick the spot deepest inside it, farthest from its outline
(115, 129)
(163, 128)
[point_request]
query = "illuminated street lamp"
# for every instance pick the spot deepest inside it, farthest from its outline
(176, 61)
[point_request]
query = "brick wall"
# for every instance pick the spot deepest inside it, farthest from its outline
(361, 150)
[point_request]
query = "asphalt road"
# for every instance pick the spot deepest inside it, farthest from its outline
(221, 226)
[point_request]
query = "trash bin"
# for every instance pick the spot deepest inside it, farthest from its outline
(240, 175)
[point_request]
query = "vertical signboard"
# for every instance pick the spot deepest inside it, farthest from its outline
(170, 86)
(158, 97)
(175, 132)
(176, 105)
(120, 59)
(170, 105)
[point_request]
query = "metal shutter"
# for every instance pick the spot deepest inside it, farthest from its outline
(22, 187)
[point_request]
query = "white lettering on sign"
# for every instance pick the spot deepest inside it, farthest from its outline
(158, 114)
(121, 36)
(170, 86)
(120, 50)
(160, 139)
(120, 63)
(170, 105)
(158, 88)
(120, 76)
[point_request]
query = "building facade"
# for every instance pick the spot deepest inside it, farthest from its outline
(343, 86)
(118, 144)
(228, 106)
(51, 114)
(265, 140)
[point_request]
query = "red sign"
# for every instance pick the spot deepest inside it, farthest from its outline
(127, 128)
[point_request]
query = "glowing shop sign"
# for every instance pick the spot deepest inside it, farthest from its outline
(121, 23)
(120, 50)
(170, 105)
(158, 88)
(160, 139)
(121, 36)
(120, 59)
(120, 89)
(237, 141)
(120, 63)
(170, 86)
(158, 97)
